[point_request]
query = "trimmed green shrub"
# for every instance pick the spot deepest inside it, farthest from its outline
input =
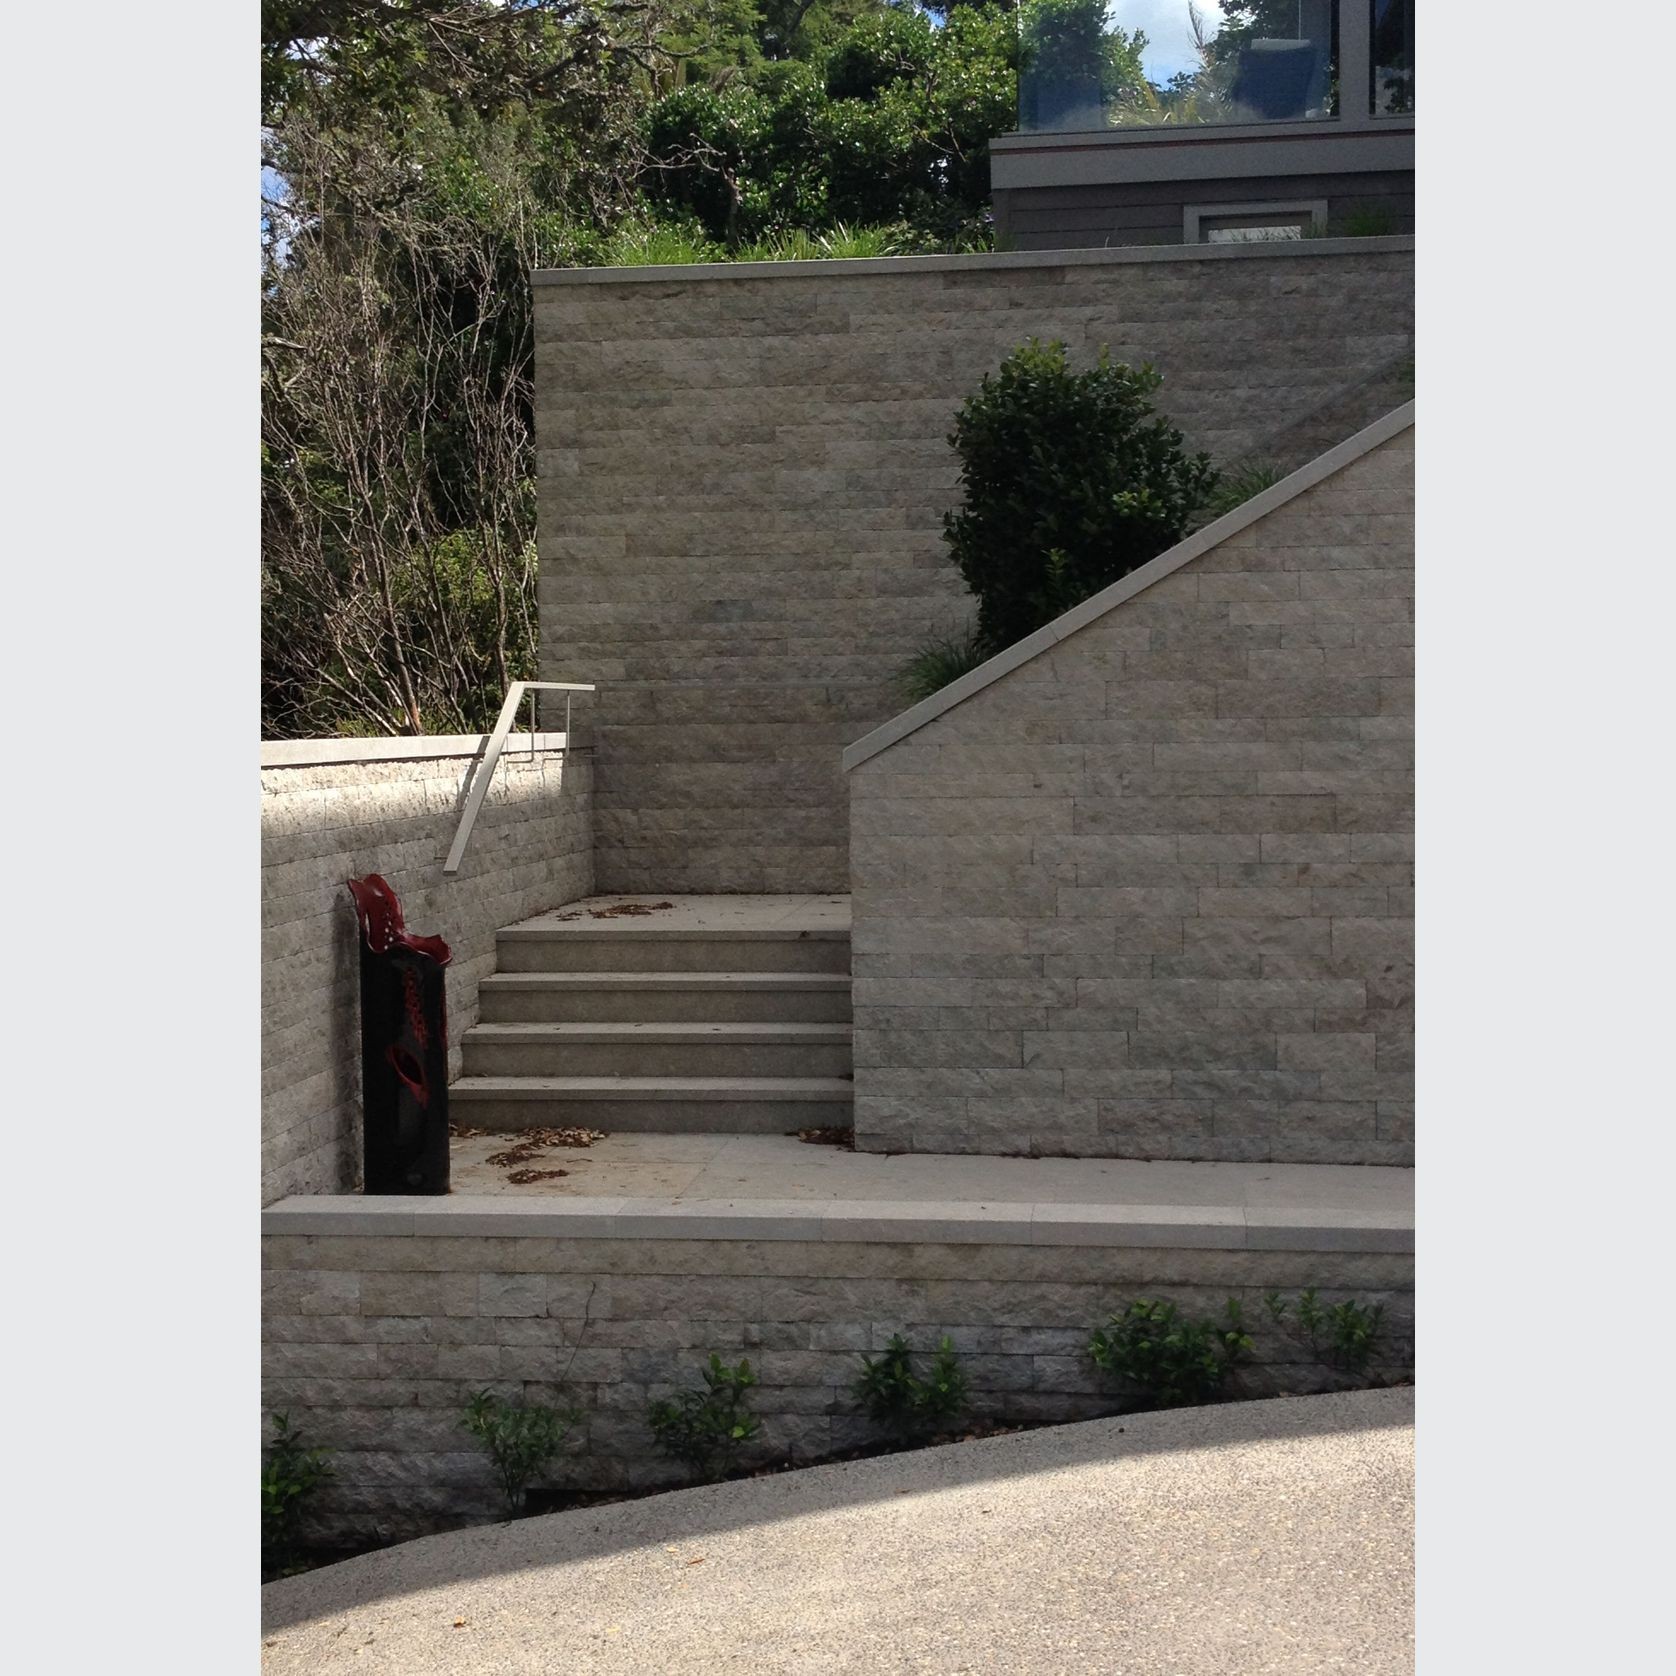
(291, 1473)
(705, 1430)
(909, 1406)
(1070, 481)
(521, 1439)
(1172, 1360)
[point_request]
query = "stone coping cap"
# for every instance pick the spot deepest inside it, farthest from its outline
(856, 1221)
(1082, 257)
(317, 753)
(1125, 588)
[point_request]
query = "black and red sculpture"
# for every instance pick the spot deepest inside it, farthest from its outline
(404, 1047)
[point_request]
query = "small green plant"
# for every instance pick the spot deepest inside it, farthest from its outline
(1237, 485)
(291, 1473)
(1173, 1359)
(938, 662)
(1342, 1336)
(521, 1439)
(705, 1430)
(909, 1406)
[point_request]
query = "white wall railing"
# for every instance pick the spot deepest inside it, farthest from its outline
(484, 774)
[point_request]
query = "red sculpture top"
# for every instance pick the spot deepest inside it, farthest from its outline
(380, 912)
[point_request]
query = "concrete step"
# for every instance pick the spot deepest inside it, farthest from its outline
(654, 1105)
(646, 948)
(664, 998)
(657, 1050)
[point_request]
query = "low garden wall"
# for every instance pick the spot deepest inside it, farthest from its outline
(333, 810)
(381, 1320)
(1142, 886)
(744, 471)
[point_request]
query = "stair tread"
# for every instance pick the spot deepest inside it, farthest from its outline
(696, 1031)
(665, 980)
(676, 934)
(699, 1088)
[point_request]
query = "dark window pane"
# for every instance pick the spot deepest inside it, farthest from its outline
(1393, 57)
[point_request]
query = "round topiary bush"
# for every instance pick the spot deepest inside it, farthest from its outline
(1071, 481)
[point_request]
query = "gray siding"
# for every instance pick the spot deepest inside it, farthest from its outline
(1150, 212)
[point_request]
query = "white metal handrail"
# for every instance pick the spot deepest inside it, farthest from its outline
(485, 771)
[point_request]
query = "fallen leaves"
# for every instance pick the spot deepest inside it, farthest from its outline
(829, 1137)
(617, 910)
(533, 1142)
(523, 1178)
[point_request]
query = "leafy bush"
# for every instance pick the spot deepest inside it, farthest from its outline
(938, 662)
(909, 1406)
(521, 1439)
(1071, 481)
(1236, 486)
(705, 1430)
(1173, 1359)
(291, 1473)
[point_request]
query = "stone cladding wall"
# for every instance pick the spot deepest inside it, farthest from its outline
(744, 472)
(1150, 893)
(374, 1344)
(532, 849)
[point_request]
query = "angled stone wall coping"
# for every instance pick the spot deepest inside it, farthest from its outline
(686, 272)
(1108, 599)
(321, 753)
(859, 1221)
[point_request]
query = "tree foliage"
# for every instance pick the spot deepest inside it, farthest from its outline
(892, 124)
(420, 158)
(422, 168)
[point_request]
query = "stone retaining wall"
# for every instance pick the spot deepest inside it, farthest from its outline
(744, 471)
(373, 1344)
(324, 824)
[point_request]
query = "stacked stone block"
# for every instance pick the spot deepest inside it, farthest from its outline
(532, 849)
(744, 474)
(1150, 894)
(374, 1344)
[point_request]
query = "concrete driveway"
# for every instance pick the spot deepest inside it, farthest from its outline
(1247, 1538)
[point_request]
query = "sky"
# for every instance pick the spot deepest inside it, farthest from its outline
(1169, 39)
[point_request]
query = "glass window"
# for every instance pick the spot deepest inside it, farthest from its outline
(1393, 57)
(1086, 64)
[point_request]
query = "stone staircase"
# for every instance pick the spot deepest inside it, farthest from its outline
(714, 1014)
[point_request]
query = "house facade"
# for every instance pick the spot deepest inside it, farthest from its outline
(1288, 119)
